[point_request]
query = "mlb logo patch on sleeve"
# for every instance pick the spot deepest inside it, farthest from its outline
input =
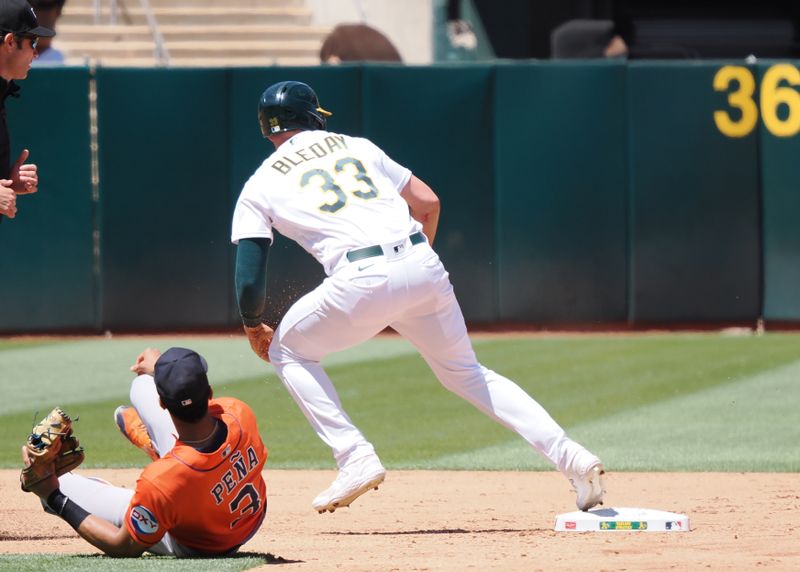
(143, 520)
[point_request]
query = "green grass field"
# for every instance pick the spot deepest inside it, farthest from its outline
(99, 563)
(672, 402)
(667, 402)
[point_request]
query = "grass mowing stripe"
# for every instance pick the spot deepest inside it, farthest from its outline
(579, 379)
(78, 371)
(749, 425)
(413, 420)
(280, 419)
(99, 367)
(100, 563)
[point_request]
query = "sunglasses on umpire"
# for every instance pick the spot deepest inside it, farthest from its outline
(34, 40)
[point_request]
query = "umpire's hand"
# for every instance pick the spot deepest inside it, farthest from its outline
(260, 337)
(8, 199)
(25, 176)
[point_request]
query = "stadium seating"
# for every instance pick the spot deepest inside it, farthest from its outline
(194, 32)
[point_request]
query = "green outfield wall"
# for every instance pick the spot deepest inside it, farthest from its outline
(695, 194)
(48, 260)
(560, 193)
(163, 198)
(572, 193)
(780, 183)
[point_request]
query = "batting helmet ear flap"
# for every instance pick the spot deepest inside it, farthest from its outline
(290, 105)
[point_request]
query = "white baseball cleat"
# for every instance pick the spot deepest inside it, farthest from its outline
(354, 480)
(589, 486)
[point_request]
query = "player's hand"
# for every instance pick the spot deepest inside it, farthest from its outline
(260, 338)
(25, 177)
(43, 488)
(146, 362)
(8, 199)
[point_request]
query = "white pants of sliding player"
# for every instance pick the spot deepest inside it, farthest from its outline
(411, 292)
(103, 499)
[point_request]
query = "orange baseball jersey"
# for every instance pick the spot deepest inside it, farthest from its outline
(209, 502)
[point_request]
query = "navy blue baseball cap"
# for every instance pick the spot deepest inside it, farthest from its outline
(18, 17)
(182, 383)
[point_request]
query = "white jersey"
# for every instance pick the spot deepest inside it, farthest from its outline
(328, 192)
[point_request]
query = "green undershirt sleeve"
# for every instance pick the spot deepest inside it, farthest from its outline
(251, 278)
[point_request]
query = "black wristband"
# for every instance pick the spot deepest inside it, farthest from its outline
(66, 509)
(56, 501)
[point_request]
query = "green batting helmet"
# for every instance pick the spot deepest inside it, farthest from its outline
(290, 105)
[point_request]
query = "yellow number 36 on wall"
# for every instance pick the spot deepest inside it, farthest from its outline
(780, 101)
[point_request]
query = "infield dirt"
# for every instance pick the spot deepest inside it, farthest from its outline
(459, 520)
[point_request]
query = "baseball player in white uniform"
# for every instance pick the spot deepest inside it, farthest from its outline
(371, 223)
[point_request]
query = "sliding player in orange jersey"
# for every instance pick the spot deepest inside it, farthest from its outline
(202, 495)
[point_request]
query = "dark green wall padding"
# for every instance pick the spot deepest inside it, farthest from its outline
(47, 280)
(695, 217)
(561, 194)
(780, 180)
(577, 192)
(164, 198)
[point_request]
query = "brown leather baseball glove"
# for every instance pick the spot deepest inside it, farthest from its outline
(51, 448)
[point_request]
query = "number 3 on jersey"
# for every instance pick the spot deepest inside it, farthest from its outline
(237, 507)
(349, 168)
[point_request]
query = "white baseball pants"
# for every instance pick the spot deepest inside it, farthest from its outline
(410, 291)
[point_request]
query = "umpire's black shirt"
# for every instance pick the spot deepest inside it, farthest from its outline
(6, 88)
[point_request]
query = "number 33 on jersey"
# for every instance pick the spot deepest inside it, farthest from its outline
(328, 192)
